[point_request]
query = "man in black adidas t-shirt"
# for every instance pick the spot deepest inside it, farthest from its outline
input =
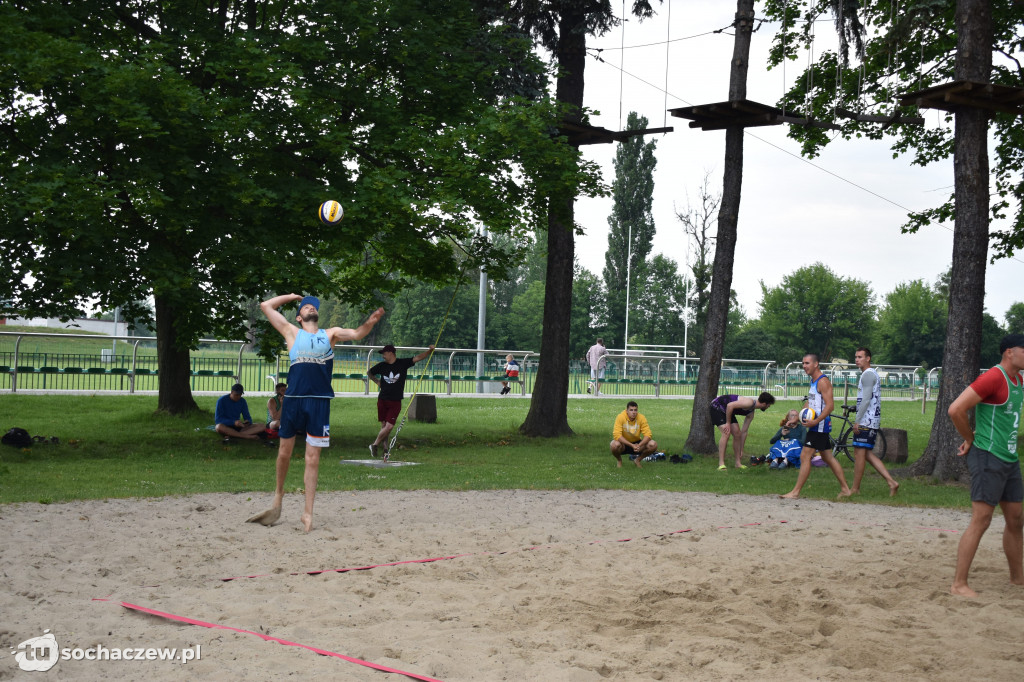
(390, 377)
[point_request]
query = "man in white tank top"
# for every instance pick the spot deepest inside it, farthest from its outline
(819, 398)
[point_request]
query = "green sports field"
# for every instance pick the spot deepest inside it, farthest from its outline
(115, 446)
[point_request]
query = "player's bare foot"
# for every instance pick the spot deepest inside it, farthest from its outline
(790, 496)
(854, 491)
(962, 591)
(266, 518)
(637, 462)
(307, 521)
(894, 488)
(619, 464)
(844, 493)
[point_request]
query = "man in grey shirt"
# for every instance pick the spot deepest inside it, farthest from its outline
(867, 422)
(596, 358)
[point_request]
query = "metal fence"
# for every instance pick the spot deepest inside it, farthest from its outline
(42, 361)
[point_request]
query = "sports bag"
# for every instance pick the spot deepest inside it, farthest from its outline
(18, 438)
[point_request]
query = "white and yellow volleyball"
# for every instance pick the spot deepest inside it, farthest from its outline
(331, 212)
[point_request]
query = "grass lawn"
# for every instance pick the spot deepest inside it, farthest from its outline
(115, 446)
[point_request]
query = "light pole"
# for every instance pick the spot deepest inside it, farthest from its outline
(481, 325)
(629, 268)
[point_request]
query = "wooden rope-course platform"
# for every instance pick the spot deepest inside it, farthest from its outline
(959, 95)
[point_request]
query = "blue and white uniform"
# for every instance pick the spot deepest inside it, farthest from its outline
(309, 388)
(817, 403)
(872, 415)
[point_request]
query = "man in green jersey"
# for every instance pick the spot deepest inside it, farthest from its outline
(991, 450)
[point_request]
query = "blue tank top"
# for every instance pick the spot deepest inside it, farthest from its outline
(817, 403)
(311, 363)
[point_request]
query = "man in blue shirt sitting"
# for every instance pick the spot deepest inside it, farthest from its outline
(233, 419)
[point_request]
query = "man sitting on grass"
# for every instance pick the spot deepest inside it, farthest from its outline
(233, 419)
(632, 435)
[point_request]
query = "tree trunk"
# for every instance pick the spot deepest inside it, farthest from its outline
(175, 394)
(961, 358)
(701, 438)
(548, 415)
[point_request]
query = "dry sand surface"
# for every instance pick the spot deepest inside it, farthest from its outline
(754, 589)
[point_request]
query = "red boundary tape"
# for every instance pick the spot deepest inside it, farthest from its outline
(322, 652)
(457, 556)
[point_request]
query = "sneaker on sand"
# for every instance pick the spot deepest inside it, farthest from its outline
(373, 451)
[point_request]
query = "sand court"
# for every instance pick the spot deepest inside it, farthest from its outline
(527, 585)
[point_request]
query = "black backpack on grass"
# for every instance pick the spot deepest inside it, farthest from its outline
(18, 438)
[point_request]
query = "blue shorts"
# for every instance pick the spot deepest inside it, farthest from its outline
(865, 438)
(309, 415)
(992, 479)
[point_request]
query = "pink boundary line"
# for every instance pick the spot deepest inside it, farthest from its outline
(268, 638)
(458, 556)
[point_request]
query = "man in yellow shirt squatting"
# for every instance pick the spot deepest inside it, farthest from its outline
(632, 435)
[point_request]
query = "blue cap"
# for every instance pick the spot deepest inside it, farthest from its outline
(310, 300)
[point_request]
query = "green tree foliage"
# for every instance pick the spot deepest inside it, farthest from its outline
(907, 50)
(815, 309)
(421, 310)
(912, 325)
(751, 341)
(526, 318)
(1015, 318)
(588, 306)
(180, 151)
(631, 227)
(658, 310)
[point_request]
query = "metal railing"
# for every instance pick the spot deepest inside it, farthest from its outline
(217, 364)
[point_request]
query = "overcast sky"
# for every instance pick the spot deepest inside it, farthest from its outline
(845, 210)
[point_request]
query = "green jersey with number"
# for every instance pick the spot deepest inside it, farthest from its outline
(996, 425)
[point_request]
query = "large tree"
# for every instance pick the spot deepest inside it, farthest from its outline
(923, 45)
(561, 27)
(701, 437)
(630, 229)
(179, 151)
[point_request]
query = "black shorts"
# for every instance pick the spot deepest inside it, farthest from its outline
(992, 479)
(718, 417)
(817, 440)
(629, 449)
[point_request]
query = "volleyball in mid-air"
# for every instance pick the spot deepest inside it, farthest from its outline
(807, 414)
(331, 212)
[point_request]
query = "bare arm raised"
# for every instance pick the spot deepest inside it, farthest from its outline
(340, 334)
(276, 319)
(424, 355)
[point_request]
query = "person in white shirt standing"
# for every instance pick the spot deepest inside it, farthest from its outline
(867, 422)
(597, 359)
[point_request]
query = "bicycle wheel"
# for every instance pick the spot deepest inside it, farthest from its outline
(843, 445)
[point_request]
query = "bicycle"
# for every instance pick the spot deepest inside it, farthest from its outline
(844, 441)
